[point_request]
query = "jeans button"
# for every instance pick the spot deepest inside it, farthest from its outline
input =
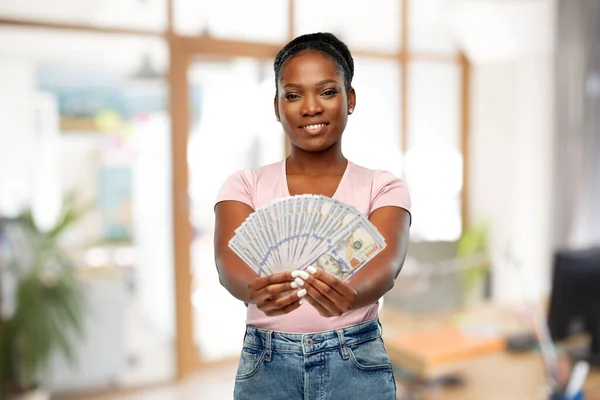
(309, 342)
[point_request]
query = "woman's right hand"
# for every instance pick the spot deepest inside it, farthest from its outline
(277, 294)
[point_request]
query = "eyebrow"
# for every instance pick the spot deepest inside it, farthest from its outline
(320, 83)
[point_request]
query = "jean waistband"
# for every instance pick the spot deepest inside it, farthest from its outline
(307, 343)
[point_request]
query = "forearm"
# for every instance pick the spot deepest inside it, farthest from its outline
(235, 278)
(373, 281)
(379, 275)
(234, 274)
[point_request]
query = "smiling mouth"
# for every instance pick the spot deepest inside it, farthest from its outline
(315, 128)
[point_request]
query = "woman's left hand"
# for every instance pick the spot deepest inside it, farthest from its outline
(329, 295)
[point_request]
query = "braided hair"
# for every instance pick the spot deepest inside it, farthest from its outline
(324, 42)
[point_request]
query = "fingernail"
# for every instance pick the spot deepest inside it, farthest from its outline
(301, 301)
(302, 293)
(294, 285)
(312, 269)
(299, 282)
(301, 274)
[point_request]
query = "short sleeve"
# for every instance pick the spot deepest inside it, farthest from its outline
(237, 187)
(387, 190)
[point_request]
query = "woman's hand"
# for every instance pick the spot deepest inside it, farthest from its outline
(329, 295)
(277, 294)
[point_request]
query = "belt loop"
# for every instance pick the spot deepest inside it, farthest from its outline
(268, 346)
(343, 347)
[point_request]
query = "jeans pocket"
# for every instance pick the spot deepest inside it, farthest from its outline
(250, 362)
(370, 355)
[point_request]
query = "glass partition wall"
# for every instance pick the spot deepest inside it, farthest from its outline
(148, 128)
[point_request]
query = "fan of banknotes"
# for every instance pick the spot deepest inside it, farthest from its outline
(293, 233)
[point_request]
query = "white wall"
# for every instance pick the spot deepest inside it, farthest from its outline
(512, 137)
(29, 164)
(17, 133)
(511, 160)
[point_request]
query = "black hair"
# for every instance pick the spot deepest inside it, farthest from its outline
(324, 42)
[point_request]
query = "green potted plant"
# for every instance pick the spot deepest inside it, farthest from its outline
(48, 303)
(473, 253)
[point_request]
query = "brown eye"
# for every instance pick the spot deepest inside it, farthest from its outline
(291, 96)
(330, 92)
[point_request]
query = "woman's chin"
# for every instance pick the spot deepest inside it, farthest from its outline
(314, 146)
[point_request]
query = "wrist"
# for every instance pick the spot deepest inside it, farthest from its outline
(356, 298)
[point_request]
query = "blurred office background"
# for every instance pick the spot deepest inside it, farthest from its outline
(139, 109)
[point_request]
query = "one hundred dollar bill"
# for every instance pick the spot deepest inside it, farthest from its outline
(352, 251)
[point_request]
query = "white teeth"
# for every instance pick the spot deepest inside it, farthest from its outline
(314, 127)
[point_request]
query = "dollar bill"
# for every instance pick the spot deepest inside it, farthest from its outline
(244, 253)
(298, 231)
(352, 251)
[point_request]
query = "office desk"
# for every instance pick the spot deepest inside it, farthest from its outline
(489, 373)
(502, 376)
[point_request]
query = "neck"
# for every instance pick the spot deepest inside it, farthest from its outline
(329, 161)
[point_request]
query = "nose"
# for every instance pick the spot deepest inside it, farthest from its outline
(311, 106)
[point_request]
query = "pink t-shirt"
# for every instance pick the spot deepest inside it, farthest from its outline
(363, 188)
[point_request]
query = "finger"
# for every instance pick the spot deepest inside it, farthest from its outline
(333, 294)
(275, 290)
(262, 281)
(269, 292)
(322, 310)
(325, 304)
(280, 311)
(290, 307)
(332, 281)
(283, 301)
(324, 290)
(290, 298)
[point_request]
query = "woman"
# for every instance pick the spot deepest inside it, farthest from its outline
(312, 336)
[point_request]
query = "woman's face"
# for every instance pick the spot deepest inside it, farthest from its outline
(312, 103)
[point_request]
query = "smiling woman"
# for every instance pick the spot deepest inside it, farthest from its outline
(305, 327)
(313, 94)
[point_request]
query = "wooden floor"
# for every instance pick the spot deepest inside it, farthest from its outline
(494, 377)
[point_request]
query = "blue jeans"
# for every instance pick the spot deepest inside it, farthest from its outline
(348, 363)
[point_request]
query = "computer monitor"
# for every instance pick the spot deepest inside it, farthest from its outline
(575, 298)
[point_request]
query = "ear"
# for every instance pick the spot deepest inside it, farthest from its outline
(276, 107)
(352, 98)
